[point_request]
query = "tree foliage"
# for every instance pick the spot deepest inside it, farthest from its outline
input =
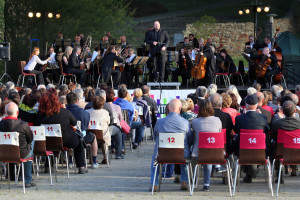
(203, 27)
(90, 17)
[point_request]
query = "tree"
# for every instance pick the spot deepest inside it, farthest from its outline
(203, 27)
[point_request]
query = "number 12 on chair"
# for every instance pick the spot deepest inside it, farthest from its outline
(171, 140)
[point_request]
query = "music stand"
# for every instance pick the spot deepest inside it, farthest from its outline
(5, 56)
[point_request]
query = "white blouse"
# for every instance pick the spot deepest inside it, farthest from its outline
(33, 61)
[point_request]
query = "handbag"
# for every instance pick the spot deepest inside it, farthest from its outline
(125, 127)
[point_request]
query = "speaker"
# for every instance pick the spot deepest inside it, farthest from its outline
(5, 51)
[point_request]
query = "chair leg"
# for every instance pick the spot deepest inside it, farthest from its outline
(23, 176)
(112, 83)
(270, 177)
(16, 174)
(189, 177)
(154, 178)
(229, 179)
(67, 162)
(33, 173)
(49, 161)
(23, 80)
(37, 166)
(194, 179)
(85, 158)
(107, 155)
(242, 79)
(35, 80)
(236, 176)
(272, 170)
(8, 171)
(279, 177)
(160, 176)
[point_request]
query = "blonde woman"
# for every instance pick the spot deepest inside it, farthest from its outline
(33, 60)
(65, 58)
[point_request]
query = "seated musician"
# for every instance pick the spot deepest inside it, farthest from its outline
(224, 62)
(269, 44)
(251, 44)
(185, 66)
(273, 68)
(131, 69)
(74, 64)
(77, 42)
(104, 43)
(108, 63)
(58, 44)
(186, 42)
(193, 40)
(33, 60)
(123, 42)
(52, 66)
(192, 55)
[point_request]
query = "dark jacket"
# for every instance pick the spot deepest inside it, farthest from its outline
(161, 37)
(251, 120)
(278, 49)
(108, 63)
(66, 120)
(146, 112)
(153, 108)
(25, 134)
(80, 115)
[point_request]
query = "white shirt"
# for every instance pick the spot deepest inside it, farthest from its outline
(270, 45)
(53, 61)
(95, 54)
(33, 61)
(128, 60)
(251, 45)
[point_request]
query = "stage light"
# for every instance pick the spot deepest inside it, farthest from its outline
(241, 12)
(30, 14)
(38, 14)
(258, 9)
(267, 9)
(57, 16)
(50, 15)
(247, 11)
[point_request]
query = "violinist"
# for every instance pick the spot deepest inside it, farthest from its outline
(184, 67)
(272, 47)
(108, 63)
(224, 62)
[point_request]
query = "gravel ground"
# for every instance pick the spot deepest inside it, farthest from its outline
(130, 179)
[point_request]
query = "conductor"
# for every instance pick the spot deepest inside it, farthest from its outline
(158, 40)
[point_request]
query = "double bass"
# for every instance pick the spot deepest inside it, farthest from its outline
(199, 69)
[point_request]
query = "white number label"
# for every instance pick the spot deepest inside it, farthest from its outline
(9, 138)
(38, 133)
(211, 140)
(252, 140)
(296, 140)
(96, 124)
(52, 130)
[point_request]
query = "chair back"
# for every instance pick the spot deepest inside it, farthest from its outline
(211, 148)
(252, 148)
(225, 139)
(21, 66)
(251, 131)
(53, 134)
(96, 127)
(291, 151)
(171, 148)
(280, 141)
(125, 116)
(9, 147)
(39, 137)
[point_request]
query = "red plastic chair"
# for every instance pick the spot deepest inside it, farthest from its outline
(211, 151)
(63, 76)
(291, 151)
(22, 76)
(225, 77)
(252, 152)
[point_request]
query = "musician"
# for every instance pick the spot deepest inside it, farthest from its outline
(269, 44)
(108, 64)
(104, 43)
(77, 42)
(273, 68)
(95, 62)
(210, 63)
(58, 44)
(52, 66)
(185, 66)
(224, 60)
(74, 64)
(158, 40)
(191, 55)
(111, 40)
(123, 42)
(33, 61)
(193, 40)
(131, 69)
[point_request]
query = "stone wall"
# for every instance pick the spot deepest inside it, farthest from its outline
(234, 35)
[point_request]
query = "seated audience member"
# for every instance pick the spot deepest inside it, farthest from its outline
(98, 112)
(26, 111)
(115, 129)
(14, 97)
(138, 101)
(288, 123)
(226, 103)
(172, 123)
(234, 104)
(132, 116)
(265, 103)
(63, 101)
(251, 120)
(11, 123)
(190, 108)
(151, 102)
(84, 117)
(270, 101)
(280, 113)
(184, 111)
(51, 112)
(206, 122)
(235, 91)
(260, 97)
(81, 102)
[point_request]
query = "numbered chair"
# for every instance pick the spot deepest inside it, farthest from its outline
(39, 137)
(170, 151)
(291, 151)
(10, 153)
(252, 152)
(54, 142)
(211, 151)
(96, 127)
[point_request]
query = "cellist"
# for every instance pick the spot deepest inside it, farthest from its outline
(209, 51)
(184, 67)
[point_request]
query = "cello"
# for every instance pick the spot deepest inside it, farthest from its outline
(199, 69)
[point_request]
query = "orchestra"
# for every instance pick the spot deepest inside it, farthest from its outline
(196, 63)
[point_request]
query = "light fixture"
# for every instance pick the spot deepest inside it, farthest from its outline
(267, 9)
(50, 15)
(30, 14)
(38, 14)
(57, 15)
(258, 9)
(241, 12)
(247, 11)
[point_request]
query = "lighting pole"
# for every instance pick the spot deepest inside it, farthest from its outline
(42, 13)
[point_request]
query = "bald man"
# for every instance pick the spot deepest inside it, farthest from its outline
(11, 123)
(173, 123)
(158, 40)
